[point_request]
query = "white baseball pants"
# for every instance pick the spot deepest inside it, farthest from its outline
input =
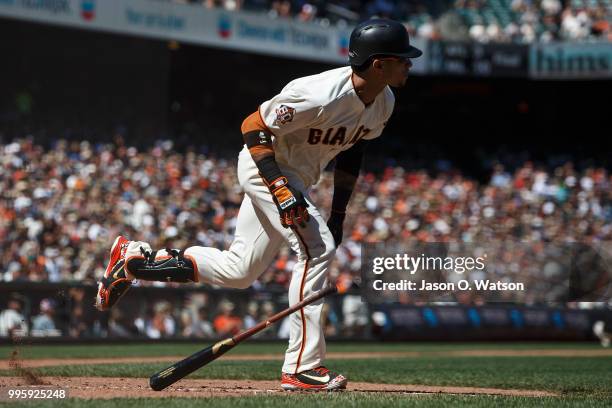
(259, 236)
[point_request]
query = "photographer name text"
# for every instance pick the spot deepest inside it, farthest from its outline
(480, 285)
(423, 263)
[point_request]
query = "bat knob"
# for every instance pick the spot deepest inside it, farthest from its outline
(155, 384)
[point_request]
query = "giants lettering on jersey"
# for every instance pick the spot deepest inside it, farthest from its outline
(333, 136)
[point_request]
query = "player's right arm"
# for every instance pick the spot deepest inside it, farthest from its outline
(291, 204)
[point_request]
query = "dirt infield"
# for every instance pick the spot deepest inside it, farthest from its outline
(105, 388)
(4, 365)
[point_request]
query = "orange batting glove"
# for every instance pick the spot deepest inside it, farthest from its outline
(292, 205)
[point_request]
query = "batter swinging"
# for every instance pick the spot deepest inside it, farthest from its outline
(288, 141)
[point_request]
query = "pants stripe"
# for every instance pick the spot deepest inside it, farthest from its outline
(303, 317)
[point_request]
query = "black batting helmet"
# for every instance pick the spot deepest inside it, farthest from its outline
(380, 36)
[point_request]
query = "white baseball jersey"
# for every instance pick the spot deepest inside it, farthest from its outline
(316, 117)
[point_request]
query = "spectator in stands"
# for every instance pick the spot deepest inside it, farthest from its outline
(43, 324)
(600, 28)
(428, 29)
(331, 323)
(162, 323)
(121, 325)
(355, 315)
(197, 325)
(227, 323)
(79, 325)
(12, 322)
(230, 5)
(307, 13)
(250, 319)
(551, 7)
(283, 329)
(201, 326)
(266, 310)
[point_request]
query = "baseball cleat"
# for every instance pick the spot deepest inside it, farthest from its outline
(317, 379)
(115, 283)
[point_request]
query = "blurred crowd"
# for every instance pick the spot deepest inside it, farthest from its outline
(522, 21)
(14, 321)
(530, 21)
(184, 314)
(61, 207)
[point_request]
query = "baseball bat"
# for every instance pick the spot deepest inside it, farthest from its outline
(176, 371)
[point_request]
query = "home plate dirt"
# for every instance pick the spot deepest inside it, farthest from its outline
(107, 387)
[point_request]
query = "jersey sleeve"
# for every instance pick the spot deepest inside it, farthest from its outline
(289, 111)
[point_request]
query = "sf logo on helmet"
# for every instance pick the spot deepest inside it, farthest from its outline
(284, 114)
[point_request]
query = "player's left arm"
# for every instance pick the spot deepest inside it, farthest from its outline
(348, 164)
(294, 108)
(291, 203)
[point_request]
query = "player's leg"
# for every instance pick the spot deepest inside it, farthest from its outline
(257, 240)
(303, 366)
(315, 247)
(131, 260)
(255, 244)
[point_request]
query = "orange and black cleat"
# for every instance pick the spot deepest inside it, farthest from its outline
(115, 282)
(317, 379)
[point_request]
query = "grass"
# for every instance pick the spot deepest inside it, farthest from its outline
(335, 400)
(564, 374)
(583, 381)
(179, 349)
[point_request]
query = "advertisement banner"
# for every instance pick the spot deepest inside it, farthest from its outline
(409, 322)
(478, 60)
(249, 32)
(571, 61)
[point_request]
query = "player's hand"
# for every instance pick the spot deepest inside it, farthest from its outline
(292, 205)
(335, 223)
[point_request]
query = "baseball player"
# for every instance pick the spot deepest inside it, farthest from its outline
(288, 141)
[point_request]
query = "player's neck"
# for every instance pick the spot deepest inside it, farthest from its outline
(367, 88)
